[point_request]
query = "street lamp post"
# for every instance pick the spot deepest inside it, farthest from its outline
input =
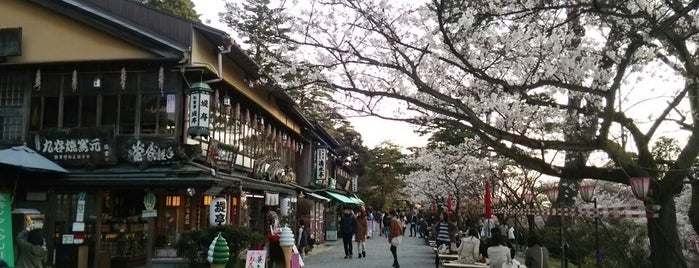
(552, 194)
(587, 193)
(528, 198)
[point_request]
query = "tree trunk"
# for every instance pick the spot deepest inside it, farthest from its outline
(665, 247)
(694, 208)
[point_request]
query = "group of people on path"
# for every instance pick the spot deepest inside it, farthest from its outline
(356, 224)
(496, 246)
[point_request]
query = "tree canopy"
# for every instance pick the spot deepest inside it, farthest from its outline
(548, 84)
(182, 8)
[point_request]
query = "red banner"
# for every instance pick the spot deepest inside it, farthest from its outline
(488, 203)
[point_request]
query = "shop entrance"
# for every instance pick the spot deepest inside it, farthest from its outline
(123, 231)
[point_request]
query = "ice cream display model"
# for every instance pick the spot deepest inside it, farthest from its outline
(218, 252)
(286, 241)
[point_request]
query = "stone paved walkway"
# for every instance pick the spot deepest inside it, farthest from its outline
(412, 253)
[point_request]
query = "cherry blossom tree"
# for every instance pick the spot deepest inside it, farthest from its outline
(548, 84)
(455, 171)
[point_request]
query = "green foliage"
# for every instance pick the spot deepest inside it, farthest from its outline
(383, 177)
(194, 244)
(622, 242)
(263, 30)
(182, 8)
(446, 134)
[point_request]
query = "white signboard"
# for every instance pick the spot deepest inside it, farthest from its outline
(321, 158)
(149, 213)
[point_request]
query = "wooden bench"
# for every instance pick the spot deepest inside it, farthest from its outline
(441, 258)
(448, 256)
(467, 265)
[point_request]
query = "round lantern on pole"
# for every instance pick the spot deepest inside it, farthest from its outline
(640, 187)
(552, 194)
(199, 104)
(588, 195)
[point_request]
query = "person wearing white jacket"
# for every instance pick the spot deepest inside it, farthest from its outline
(469, 249)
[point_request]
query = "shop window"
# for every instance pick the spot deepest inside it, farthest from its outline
(11, 106)
(156, 115)
(149, 113)
(134, 106)
(127, 114)
(88, 111)
(71, 111)
(172, 201)
(50, 113)
(166, 114)
(110, 108)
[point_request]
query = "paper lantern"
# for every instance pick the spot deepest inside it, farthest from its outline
(528, 198)
(284, 206)
(552, 194)
(218, 211)
(640, 187)
(199, 116)
(587, 192)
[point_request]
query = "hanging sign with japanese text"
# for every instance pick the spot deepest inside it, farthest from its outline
(321, 158)
(7, 252)
(217, 211)
(77, 146)
(152, 151)
(199, 104)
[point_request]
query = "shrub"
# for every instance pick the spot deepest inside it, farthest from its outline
(194, 244)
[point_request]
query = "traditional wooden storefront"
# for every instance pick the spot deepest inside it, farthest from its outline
(149, 128)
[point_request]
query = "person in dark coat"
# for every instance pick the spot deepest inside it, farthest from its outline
(536, 256)
(32, 249)
(348, 226)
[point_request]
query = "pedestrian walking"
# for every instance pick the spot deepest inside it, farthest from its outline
(302, 240)
(386, 221)
(536, 256)
(413, 224)
(360, 235)
(347, 229)
(395, 236)
(511, 235)
(370, 220)
(403, 221)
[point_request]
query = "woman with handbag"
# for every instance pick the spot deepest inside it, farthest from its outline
(395, 236)
(536, 256)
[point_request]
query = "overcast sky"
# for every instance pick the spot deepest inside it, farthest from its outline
(373, 130)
